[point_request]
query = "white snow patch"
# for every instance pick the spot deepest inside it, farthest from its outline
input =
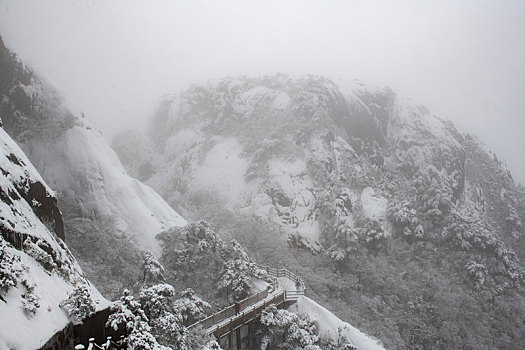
(223, 170)
(281, 102)
(181, 142)
(328, 324)
(291, 178)
(373, 206)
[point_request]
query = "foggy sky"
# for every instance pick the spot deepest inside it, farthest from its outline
(114, 59)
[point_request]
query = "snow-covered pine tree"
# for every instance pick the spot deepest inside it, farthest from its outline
(191, 307)
(30, 300)
(10, 268)
(153, 271)
(125, 312)
(165, 321)
(237, 271)
(79, 304)
(288, 331)
(141, 338)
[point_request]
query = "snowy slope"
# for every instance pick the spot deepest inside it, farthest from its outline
(74, 158)
(38, 271)
(81, 166)
(328, 324)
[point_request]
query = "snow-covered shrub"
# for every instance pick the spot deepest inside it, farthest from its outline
(471, 233)
(37, 252)
(372, 232)
(79, 304)
(296, 332)
(185, 248)
(141, 338)
(345, 241)
(514, 225)
(237, 271)
(434, 194)
(30, 300)
(10, 268)
(405, 220)
(30, 303)
(190, 306)
(156, 299)
(153, 271)
(197, 338)
(145, 331)
(478, 272)
(125, 312)
(165, 321)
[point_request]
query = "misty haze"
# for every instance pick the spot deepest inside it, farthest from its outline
(262, 174)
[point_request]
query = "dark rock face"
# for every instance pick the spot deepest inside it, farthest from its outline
(12, 71)
(43, 203)
(73, 335)
(47, 208)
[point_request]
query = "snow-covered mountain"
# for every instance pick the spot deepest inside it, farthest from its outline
(94, 190)
(37, 270)
(356, 175)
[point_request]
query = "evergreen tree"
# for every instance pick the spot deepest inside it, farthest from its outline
(190, 306)
(79, 304)
(288, 330)
(10, 268)
(153, 271)
(237, 271)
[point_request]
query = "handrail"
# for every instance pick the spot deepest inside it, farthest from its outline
(276, 272)
(230, 310)
(213, 324)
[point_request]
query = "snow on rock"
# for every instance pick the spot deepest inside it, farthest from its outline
(328, 324)
(374, 206)
(290, 177)
(42, 271)
(223, 170)
(281, 102)
(82, 165)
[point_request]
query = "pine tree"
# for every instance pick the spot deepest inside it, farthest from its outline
(79, 304)
(165, 321)
(10, 268)
(141, 338)
(153, 271)
(296, 332)
(190, 306)
(237, 271)
(126, 312)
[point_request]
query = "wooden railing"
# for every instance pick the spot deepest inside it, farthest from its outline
(228, 312)
(277, 273)
(247, 315)
(251, 306)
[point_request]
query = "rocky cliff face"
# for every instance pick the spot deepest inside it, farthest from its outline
(37, 270)
(345, 171)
